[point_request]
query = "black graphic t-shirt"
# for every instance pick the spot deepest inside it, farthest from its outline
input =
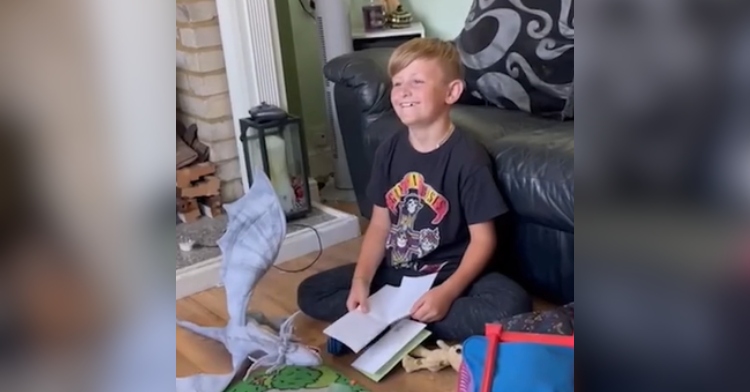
(433, 197)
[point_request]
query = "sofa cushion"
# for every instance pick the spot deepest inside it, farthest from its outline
(535, 170)
(533, 158)
(519, 55)
(488, 123)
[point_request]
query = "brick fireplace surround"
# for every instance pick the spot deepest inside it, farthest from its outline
(203, 91)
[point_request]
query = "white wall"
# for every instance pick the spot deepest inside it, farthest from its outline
(442, 18)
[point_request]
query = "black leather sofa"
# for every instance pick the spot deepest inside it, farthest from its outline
(534, 159)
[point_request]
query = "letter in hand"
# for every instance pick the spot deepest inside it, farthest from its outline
(358, 295)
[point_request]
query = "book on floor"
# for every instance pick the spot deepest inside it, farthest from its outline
(385, 353)
(388, 316)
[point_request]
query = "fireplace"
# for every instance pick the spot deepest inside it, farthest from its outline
(250, 60)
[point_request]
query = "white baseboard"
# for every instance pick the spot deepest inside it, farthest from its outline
(206, 275)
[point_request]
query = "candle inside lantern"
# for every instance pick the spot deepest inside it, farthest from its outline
(279, 146)
(279, 171)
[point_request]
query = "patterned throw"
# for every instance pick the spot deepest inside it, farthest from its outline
(518, 55)
(558, 321)
(297, 379)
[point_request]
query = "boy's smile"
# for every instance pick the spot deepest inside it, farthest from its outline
(421, 93)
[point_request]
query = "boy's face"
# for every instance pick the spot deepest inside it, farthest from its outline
(421, 93)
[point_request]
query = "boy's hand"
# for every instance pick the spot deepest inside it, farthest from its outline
(433, 305)
(358, 295)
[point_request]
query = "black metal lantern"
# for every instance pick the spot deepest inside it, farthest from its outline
(280, 144)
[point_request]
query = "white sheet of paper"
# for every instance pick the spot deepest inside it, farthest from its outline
(381, 302)
(377, 355)
(356, 329)
(387, 306)
(411, 289)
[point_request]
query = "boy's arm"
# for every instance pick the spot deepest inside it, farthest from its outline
(373, 245)
(478, 254)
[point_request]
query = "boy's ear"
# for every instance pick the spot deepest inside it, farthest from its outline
(455, 89)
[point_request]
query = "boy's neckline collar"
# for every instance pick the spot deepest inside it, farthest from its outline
(449, 140)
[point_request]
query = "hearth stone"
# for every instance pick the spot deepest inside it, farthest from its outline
(206, 231)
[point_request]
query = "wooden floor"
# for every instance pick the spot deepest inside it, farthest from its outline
(276, 297)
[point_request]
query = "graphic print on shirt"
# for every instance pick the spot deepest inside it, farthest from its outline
(407, 199)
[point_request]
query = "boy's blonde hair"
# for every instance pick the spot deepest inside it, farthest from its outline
(427, 49)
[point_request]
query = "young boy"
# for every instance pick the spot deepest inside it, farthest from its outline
(434, 199)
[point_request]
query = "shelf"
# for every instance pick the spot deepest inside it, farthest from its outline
(416, 28)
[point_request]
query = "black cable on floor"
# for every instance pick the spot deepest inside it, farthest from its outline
(317, 257)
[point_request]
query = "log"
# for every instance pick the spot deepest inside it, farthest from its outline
(185, 205)
(208, 186)
(187, 175)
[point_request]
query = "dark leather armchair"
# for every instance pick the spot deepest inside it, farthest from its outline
(534, 166)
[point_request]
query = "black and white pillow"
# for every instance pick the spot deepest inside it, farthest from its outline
(518, 54)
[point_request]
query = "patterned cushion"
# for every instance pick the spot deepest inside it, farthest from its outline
(557, 321)
(518, 54)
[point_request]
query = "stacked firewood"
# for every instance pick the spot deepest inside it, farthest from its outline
(198, 192)
(198, 188)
